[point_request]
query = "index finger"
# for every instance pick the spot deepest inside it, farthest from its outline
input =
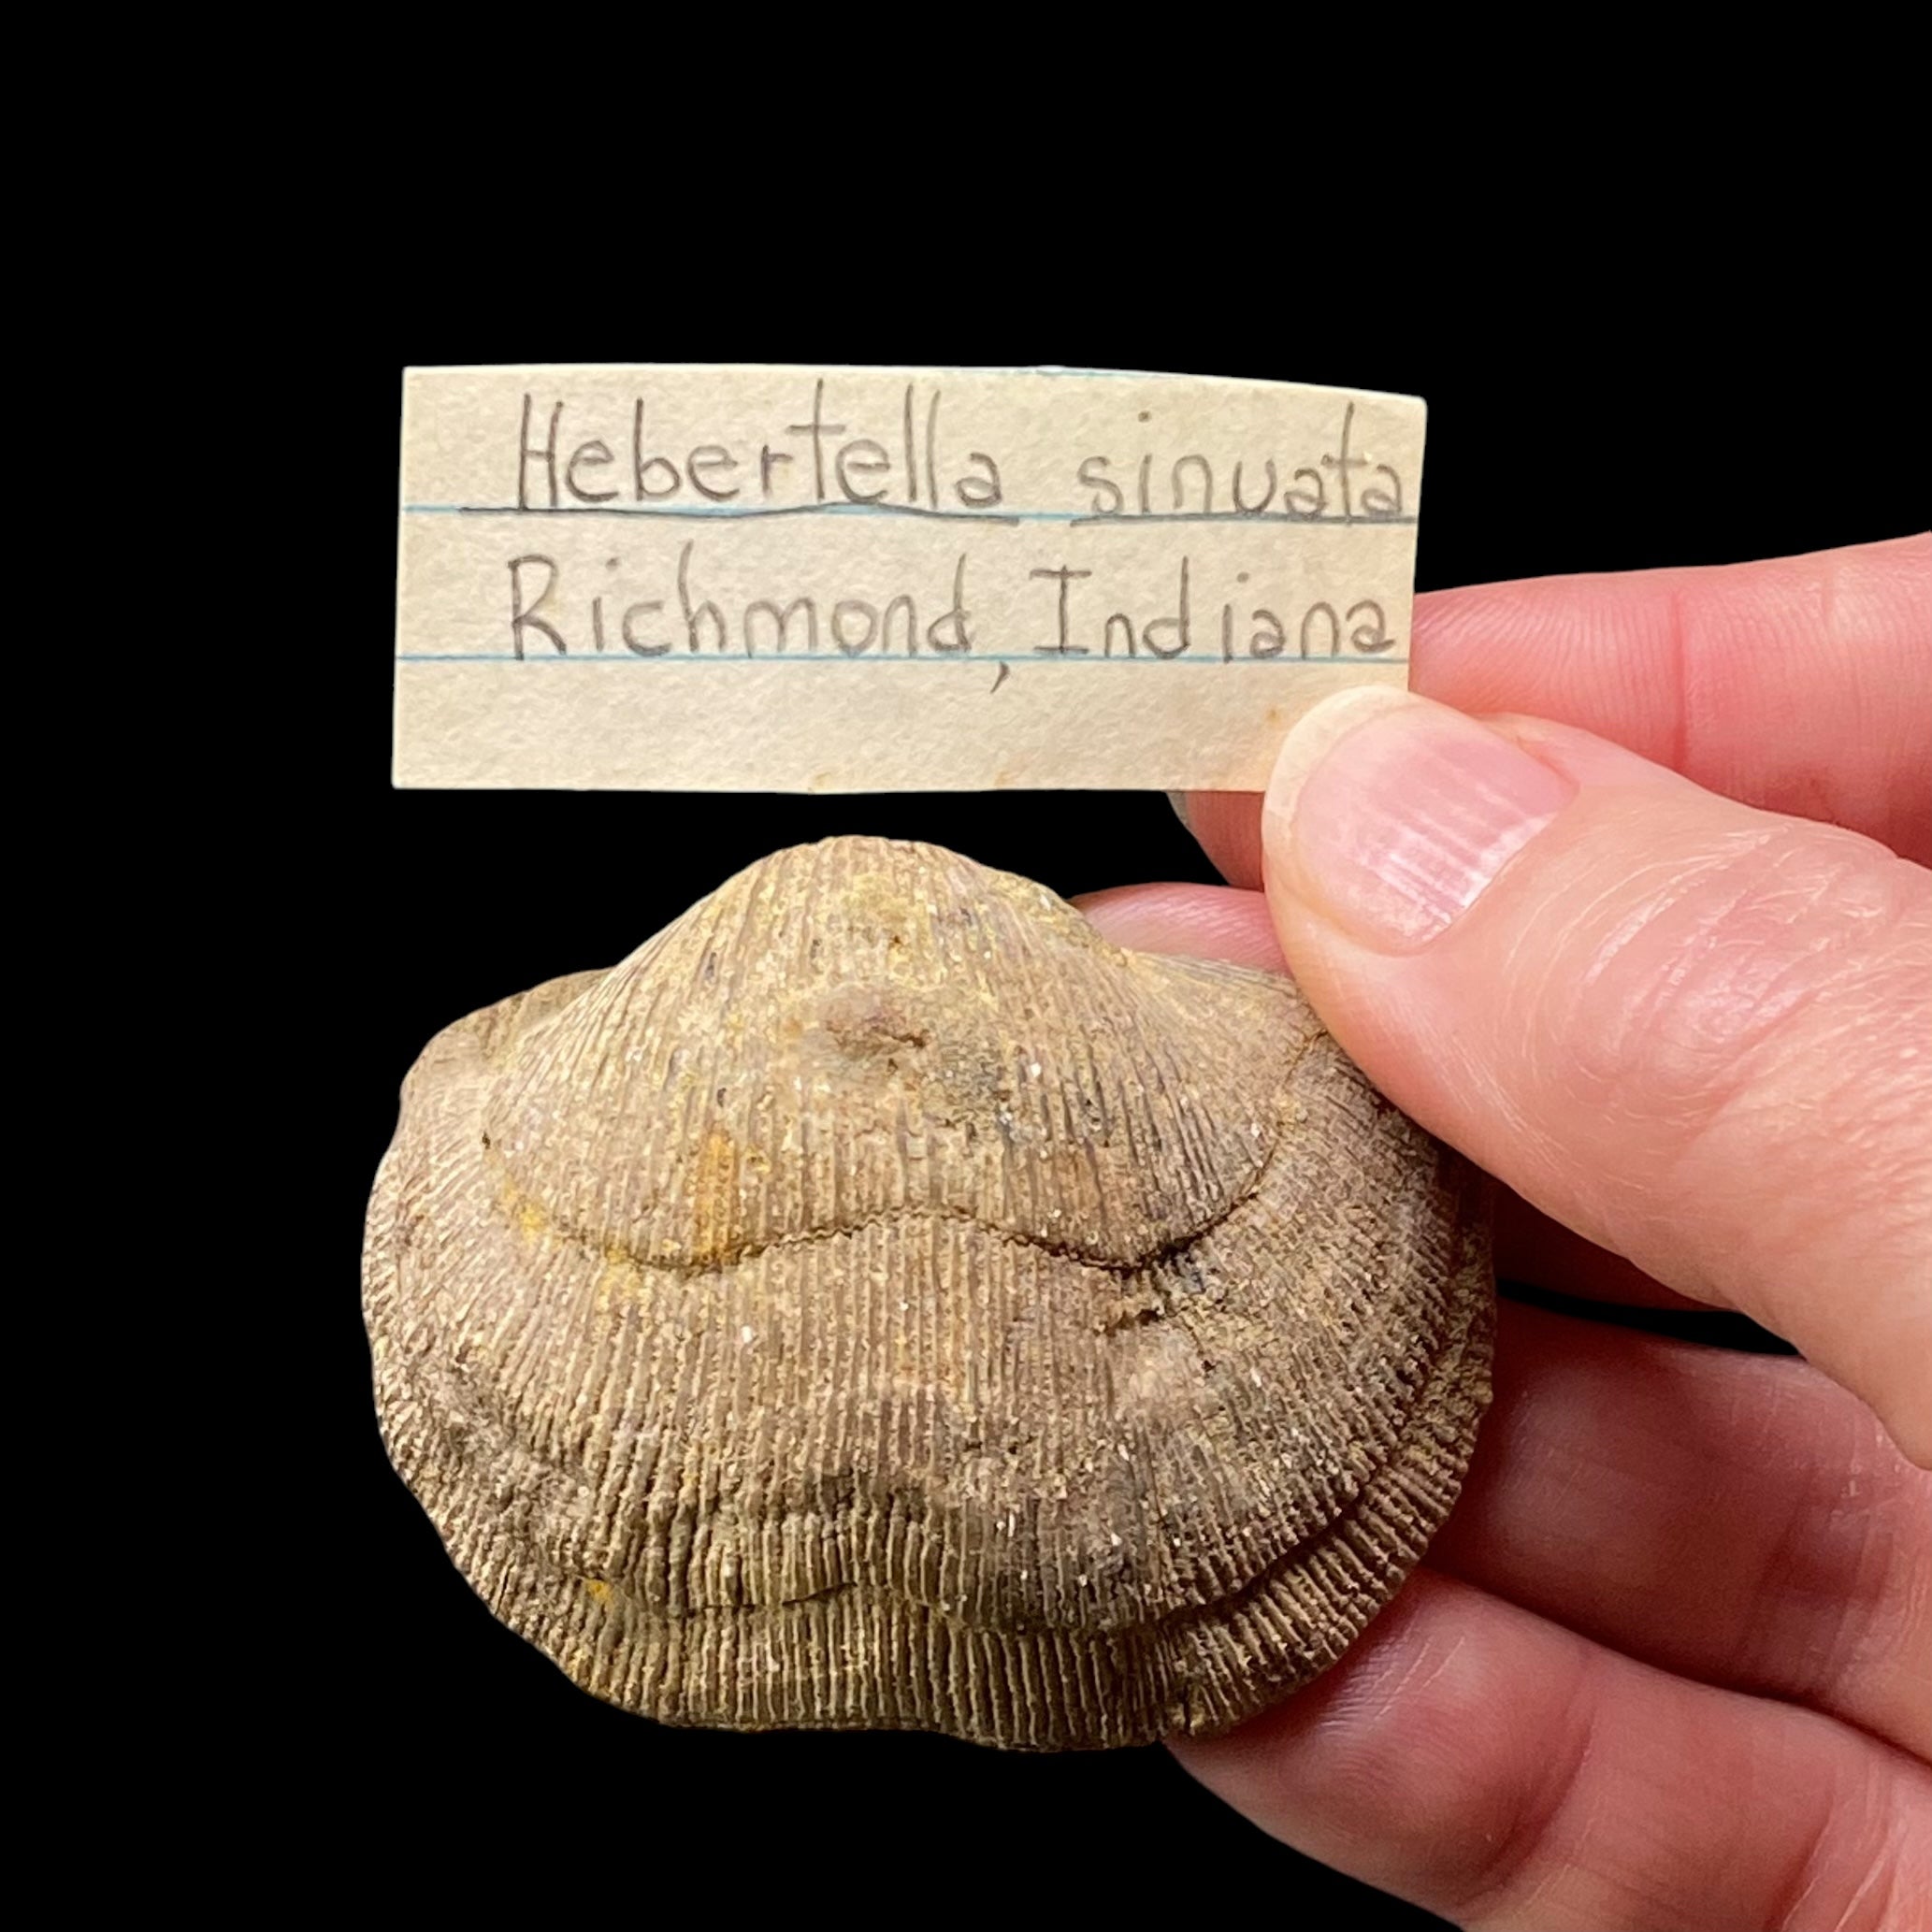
(1801, 685)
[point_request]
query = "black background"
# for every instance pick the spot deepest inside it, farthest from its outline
(1595, 404)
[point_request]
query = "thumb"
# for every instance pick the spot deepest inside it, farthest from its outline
(1698, 1035)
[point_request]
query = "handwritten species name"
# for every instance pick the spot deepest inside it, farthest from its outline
(915, 465)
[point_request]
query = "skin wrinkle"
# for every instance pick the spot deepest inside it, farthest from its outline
(1620, 1054)
(1544, 1825)
(1852, 1914)
(1892, 1574)
(1915, 1614)
(1373, 1704)
(1808, 1872)
(1825, 596)
(1812, 1873)
(1804, 1565)
(1500, 1827)
(1676, 632)
(1889, 1185)
(1752, 1087)
(1533, 960)
(1893, 1867)
(1833, 905)
(1713, 1059)
(1877, 1582)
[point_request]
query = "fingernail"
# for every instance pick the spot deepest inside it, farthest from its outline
(1178, 799)
(1389, 815)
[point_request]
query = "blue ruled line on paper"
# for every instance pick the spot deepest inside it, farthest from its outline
(957, 657)
(733, 512)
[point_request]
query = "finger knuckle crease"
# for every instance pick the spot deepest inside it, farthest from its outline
(1683, 997)
(1521, 1863)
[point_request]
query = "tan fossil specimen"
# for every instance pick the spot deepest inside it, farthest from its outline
(880, 1302)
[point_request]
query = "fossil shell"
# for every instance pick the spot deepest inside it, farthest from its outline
(879, 1301)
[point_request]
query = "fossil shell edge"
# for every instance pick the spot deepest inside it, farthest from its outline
(880, 1303)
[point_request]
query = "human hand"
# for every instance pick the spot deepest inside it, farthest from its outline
(1670, 1661)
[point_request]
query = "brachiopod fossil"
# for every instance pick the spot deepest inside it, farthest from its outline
(881, 1302)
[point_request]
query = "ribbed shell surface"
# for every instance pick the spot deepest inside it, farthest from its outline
(881, 1302)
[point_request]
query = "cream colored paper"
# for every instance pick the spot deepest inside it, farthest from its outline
(798, 579)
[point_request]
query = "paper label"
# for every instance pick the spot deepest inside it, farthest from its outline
(796, 579)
